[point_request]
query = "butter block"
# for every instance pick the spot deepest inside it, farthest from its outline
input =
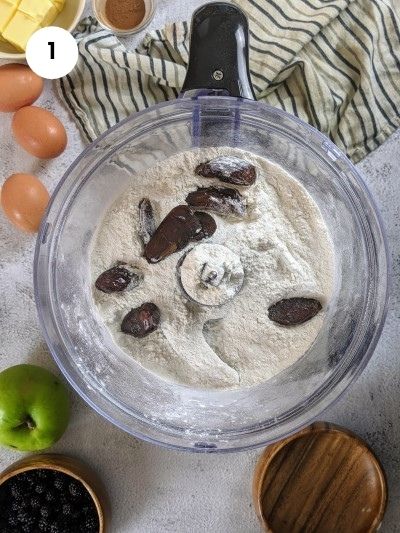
(58, 4)
(43, 11)
(52, 14)
(19, 29)
(7, 10)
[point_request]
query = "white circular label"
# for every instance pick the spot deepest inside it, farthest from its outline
(52, 52)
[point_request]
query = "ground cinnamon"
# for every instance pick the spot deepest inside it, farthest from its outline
(125, 14)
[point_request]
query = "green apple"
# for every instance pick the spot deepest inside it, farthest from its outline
(34, 408)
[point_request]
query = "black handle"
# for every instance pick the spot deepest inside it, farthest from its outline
(219, 51)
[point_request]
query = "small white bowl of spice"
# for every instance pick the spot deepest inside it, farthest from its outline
(123, 17)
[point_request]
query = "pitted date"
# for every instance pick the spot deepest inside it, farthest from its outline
(141, 321)
(119, 278)
(293, 311)
(221, 200)
(208, 226)
(229, 169)
(174, 233)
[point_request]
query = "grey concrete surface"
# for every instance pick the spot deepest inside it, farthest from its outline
(153, 490)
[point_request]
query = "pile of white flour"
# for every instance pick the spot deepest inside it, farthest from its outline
(285, 251)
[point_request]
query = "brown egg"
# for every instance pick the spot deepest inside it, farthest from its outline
(20, 86)
(24, 200)
(39, 132)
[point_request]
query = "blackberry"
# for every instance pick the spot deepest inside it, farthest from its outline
(35, 502)
(54, 528)
(59, 483)
(67, 509)
(50, 497)
(63, 498)
(76, 514)
(40, 488)
(43, 525)
(12, 520)
(91, 524)
(86, 509)
(28, 528)
(28, 478)
(15, 506)
(45, 511)
(24, 517)
(16, 489)
(75, 489)
(68, 526)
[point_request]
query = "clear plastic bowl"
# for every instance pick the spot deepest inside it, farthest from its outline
(173, 415)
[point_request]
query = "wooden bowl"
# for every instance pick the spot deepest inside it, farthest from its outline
(67, 465)
(323, 479)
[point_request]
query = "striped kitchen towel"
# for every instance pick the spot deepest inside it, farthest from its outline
(333, 63)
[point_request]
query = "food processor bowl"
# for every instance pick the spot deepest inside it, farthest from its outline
(167, 413)
(174, 415)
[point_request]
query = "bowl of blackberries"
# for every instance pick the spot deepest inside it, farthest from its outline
(50, 494)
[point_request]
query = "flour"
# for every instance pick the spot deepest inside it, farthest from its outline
(283, 247)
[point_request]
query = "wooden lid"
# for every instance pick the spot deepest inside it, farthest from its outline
(323, 479)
